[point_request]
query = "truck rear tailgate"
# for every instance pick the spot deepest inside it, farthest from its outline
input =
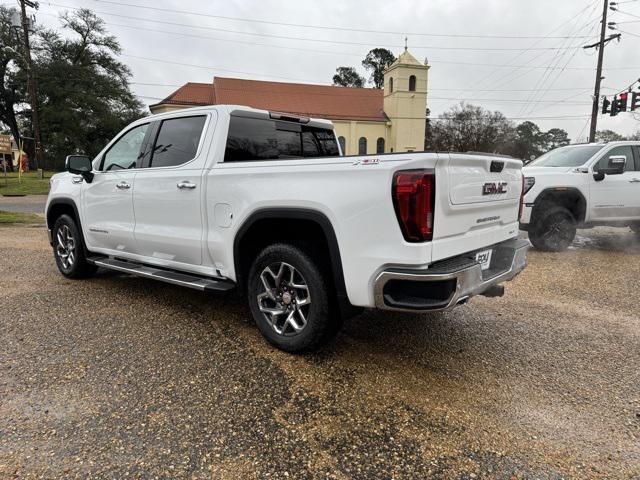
(477, 202)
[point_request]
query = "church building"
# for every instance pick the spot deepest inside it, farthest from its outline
(366, 120)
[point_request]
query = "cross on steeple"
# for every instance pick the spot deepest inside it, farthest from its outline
(405, 44)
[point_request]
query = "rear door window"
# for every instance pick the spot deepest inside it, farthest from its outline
(177, 141)
(288, 143)
(266, 139)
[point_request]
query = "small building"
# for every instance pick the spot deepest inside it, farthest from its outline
(367, 120)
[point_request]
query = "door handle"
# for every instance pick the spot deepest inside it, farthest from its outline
(185, 185)
(123, 185)
(634, 180)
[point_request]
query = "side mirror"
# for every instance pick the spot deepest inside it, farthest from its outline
(80, 165)
(615, 166)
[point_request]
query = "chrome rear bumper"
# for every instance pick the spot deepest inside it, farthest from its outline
(450, 282)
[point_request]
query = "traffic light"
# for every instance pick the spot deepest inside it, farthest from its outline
(635, 101)
(622, 102)
(614, 106)
(606, 104)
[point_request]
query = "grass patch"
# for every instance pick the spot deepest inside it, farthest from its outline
(29, 183)
(19, 217)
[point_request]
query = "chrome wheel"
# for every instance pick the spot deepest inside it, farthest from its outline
(284, 298)
(66, 248)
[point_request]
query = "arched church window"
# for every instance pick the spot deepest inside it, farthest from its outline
(391, 85)
(412, 83)
(362, 146)
(380, 145)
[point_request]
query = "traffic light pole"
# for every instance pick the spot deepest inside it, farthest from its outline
(31, 80)
(596, 91)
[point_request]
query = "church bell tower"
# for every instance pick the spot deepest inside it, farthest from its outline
(405, 102)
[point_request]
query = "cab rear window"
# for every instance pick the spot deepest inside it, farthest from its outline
(267, 139)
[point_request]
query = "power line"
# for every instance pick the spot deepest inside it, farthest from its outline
(343, 93)
(540, 96)
(625, 13)
(560, 117)
(170, 62)
(564, 102)
(320, 27)
(354, 54)
(555, 63)
(533, 67)
(527, 69)
(628, 33)
(156, 84)
(519, 89)
(499, 100)
(572, 89)
(282, 37)
(513, 59)
(258, 34)
(357, 92)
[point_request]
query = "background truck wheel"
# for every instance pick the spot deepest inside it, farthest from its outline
(636, 229)
(555, 231)
(288, 294)
(68, 249)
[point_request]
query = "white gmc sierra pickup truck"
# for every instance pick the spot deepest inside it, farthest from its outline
(224, 197)
(581, 186)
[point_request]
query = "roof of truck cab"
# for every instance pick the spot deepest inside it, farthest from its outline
(229, 109)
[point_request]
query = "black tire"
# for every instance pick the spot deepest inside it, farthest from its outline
(287, 302)
(555, 231)
(69, 249)
(636, 229)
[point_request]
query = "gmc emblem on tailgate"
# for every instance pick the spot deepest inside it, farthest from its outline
(492, 188)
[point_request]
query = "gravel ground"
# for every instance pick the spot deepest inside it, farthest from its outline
(25, 204)
(122, 377)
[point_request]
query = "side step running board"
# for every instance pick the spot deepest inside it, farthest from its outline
(177, 278)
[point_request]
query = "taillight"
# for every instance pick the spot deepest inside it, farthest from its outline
(414, 199)
(521, 200)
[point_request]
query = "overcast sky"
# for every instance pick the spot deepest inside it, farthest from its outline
(543, 76)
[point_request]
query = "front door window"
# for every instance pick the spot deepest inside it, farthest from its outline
(126, 152)
(624, 151)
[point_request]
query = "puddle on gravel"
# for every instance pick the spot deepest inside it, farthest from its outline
(609, 239)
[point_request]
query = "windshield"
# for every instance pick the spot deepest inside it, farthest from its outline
(566, 156)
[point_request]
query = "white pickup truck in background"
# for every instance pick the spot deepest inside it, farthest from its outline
(224, 197)
(581, 186)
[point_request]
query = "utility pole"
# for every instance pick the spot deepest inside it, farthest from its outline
(600, 47)
(31, 81)
(596, 91)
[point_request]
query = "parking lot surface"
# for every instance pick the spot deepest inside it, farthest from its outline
(122, 377)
